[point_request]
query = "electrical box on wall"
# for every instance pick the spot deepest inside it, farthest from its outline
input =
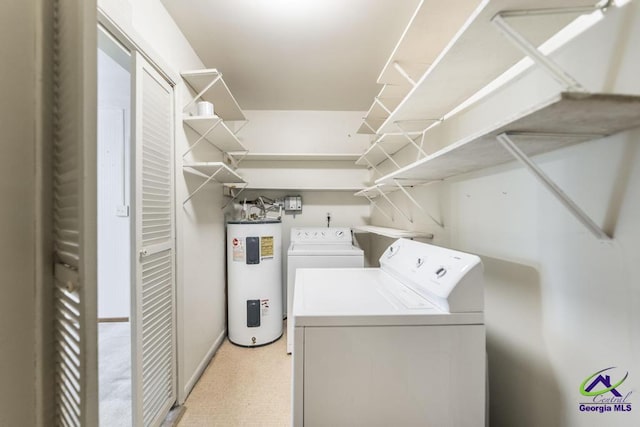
(293, 204)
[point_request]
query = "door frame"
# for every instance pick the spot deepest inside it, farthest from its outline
(128, 37)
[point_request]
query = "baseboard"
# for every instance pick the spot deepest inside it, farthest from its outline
(203, 365)
(174, 416)
(112, 319)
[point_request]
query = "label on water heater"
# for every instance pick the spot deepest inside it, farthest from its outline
(238, 250)
(264, 306)
(266, 247)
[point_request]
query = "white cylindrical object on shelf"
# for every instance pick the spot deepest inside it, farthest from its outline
(254, 275)
(205, 108)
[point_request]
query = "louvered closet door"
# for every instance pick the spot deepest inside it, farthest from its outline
(153, 322)
(74, 187)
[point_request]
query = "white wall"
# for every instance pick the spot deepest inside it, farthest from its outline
(114, 154)
(297, 132)
(560, 305)
(200, 233)
(303, 132)
(271, 131)
(18, 160)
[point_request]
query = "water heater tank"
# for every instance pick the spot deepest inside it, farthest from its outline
(254, 274)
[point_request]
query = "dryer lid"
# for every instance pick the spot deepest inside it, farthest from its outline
(365, 297)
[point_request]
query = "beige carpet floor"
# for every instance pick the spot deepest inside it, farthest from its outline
(114, 369)
(243, 387)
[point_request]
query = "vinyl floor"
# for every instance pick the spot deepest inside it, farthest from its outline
(243, 387)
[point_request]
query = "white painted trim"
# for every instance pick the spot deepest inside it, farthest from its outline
(126, 34)
(183, 394)
(44, 369)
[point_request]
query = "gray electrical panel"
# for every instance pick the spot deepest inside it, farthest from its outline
(253, 250)
(253, 313)
(293, 204)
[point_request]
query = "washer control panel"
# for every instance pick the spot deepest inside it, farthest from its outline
(321, 234)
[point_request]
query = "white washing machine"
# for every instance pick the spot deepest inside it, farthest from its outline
(318, 247)
(403, 344)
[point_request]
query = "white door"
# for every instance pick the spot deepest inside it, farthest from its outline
(74, 228)
(153, 290)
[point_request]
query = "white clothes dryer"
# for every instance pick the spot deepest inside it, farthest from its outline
(403, 344)
(318, 247)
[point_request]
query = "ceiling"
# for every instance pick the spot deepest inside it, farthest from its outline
(295, 54)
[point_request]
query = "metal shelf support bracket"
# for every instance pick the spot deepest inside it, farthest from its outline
(378, 101)
(556, 191)
(203, 137)
(382, 211)
(231, 159)
(372, 166)
(403, 73)
(202, 92)
(407, 134)
(208, 180)
(388, 156)
(518, 40)
(233, 196)
(364, 121)
(407, 217)
(415, 202)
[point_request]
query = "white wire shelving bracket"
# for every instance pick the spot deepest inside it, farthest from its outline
(202, 92)
(371, 165)
(531, 51)
(366, 125)
(381, 190)
(568, 82)
(209, 85)
(234, 158)
(406, 138)
(393, 233)
(383, 104)
(210, 171)
(214, 131)
(402, 188)
(202, 136)
(403, 73)
(545, 127)
(506, 139)
(232, 193)
(387, 155)
(378, 101)
(375, 205)
(396, 207)
(429, 123)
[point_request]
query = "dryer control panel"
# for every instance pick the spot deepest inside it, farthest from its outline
(321, 235)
